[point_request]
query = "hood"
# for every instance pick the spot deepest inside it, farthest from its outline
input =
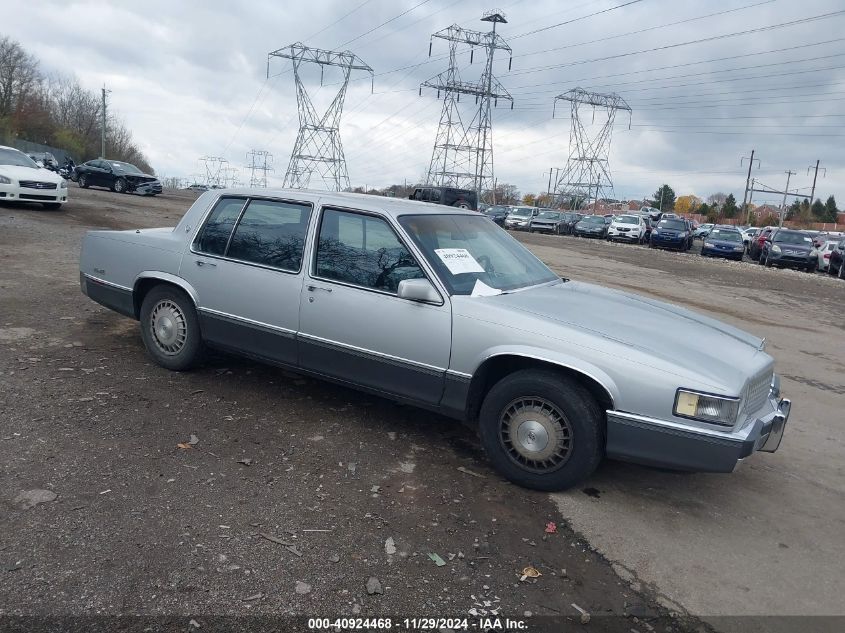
(134, 175)
(716, 240)
(800, 248)
(28, 173)
(702, 345)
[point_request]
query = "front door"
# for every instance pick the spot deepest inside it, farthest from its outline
(246, 268)
(354, 327)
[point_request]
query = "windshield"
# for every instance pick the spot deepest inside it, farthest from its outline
(627, 219)
(725, 235)
(16, 158)
(593, 219)
(125, 167)
(522, 212)
(675, 225)
(788, 237)
(465, 249)
(549, 215)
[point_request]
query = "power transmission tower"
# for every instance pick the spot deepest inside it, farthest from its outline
(231, 178)
(318, 148)
(815, 177)
(260, 162)
(463, 154)
(587, 172)
(216, 169)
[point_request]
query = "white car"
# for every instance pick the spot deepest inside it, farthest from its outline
(627, 228)
(22, 180)
(823, 252)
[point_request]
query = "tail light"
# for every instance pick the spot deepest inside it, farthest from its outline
(826, 256)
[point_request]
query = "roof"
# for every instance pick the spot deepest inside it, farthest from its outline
(389, 206)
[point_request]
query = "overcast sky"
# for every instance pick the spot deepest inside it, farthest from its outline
(189, 78)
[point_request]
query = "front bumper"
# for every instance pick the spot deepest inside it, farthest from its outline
(668, 444)
(517, 225)
(15, 193)
(543, 228)
(148, 188)
(717, 251)
(629, 236)
(668, 241)
(798, 261)
(598, 234)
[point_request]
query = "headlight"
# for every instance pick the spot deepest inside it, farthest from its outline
(775, 248)
(5, 181)
(739, 248)
(715, 409)
(63, 185)
(708, 245)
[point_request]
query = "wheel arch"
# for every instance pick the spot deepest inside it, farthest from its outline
(147, 280)
(497, 366)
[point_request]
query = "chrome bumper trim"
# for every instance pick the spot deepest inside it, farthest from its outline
(779, 420)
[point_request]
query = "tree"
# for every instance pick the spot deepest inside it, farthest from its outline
(704, 209)
(717, 199)
(507, 194)
(830, 208)
(818, 210)
(529, 199)
(664, 198)
(687, 204)
(729, 208)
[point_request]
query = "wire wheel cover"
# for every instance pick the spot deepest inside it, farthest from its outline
(168, 327)
(535, 434)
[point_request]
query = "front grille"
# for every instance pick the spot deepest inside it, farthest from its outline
(758, 391)
(34, 184)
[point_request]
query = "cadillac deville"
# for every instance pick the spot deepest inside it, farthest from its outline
(441, 308)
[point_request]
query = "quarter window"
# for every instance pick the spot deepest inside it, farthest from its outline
(215, 234)
(364, 251)
(271, 233)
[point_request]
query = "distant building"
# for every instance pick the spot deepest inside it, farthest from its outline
(765, 210)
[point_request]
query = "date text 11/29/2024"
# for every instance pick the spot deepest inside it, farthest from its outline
(417, 624)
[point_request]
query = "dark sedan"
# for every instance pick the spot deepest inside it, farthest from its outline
(116, 175)
(671, 233)
(722, 242)
(570, 219)
(793, 249)
(591, 226)
(497, 213)
(547, 221)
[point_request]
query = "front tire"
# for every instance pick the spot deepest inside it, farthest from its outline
(541, 430)
(170, 328)
(82, 181)
(119, 185)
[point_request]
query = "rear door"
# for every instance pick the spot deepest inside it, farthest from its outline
(246, 267)
(354, 327)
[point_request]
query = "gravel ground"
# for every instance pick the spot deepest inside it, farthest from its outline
(244, 489)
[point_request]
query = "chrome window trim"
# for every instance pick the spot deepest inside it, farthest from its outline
(315, 246)
(247, 199)
(369, 352)
(106, 283)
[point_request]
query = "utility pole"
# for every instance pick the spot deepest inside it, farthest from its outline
(789, 174)
(748, 179)
(549, 188)
(103, 126)
(815, 176)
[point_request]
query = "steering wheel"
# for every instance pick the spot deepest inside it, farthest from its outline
(486, 264)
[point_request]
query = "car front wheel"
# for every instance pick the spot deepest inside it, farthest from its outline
(541, 430)
(119, 185)
(170, 328)
(83, 181)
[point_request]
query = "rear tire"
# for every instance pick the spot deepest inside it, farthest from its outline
(542, 430)
(170, 328)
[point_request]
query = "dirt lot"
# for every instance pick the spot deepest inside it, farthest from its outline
(349, 487)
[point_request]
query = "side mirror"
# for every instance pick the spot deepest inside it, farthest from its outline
(419, 290)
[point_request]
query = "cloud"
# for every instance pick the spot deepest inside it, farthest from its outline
(189, 79)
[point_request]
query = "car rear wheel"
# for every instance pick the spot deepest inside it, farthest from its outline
(119, 185)
(541, 430)
(82, 181)
(170, 328)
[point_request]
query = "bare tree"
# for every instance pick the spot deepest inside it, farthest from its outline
(717, 199)
(19, 76)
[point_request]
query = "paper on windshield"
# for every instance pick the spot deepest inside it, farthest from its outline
(458, 260)
(481, 289)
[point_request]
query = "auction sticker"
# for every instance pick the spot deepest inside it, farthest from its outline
(458, 260)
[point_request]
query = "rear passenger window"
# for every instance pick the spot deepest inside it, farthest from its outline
(271, 233)
(364, 251)
(218, 227)
(435, 195)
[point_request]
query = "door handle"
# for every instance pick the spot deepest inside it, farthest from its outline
(201, 263)
(313, 288)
